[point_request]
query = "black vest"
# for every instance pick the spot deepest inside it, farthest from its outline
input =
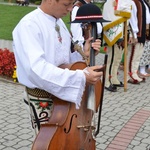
(141, 16)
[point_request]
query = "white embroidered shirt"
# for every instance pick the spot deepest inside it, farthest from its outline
(39, 50)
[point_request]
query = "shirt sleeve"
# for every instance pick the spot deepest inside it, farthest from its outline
(99, 29)
(134, 20)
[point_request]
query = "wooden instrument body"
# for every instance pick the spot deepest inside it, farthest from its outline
(69, 128)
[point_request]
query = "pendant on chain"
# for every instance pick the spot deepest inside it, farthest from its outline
(57, 28)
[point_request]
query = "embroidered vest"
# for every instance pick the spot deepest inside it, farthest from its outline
(148, 25)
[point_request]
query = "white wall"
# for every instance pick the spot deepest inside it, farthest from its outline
(6, 44)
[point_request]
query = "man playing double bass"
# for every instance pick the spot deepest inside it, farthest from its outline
(41, 52)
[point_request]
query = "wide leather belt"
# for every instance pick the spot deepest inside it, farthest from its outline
(38, 93)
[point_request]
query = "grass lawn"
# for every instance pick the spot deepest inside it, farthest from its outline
(10, 16)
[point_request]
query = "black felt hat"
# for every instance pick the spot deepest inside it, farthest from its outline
(89, 13)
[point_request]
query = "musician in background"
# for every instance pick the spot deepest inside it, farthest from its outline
(41, 43)
(78, 32)
(116, 47)
(144, 67)
(137, 39)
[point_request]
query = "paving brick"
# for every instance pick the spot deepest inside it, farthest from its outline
(132, 126)
(124, 132)
(117, 147)
(122, 139)
(129, 130)
(120, 135)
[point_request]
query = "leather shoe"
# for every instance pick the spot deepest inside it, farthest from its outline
(111, 88)
(133, 81)
(119, 85)
(143, 79)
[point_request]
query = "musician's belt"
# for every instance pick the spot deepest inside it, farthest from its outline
(38, 93)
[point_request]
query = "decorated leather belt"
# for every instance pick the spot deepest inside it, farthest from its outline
(39, 93)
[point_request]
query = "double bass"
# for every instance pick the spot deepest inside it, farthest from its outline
(69, 128)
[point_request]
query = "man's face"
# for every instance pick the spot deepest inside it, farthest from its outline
(61, 7)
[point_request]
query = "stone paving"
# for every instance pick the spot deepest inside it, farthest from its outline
(15, 132)
(125, 121)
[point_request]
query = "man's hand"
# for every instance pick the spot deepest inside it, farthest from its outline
(93, 76)
(132, 40)
(95, 45)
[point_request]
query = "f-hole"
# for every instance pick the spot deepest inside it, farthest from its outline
(65, 130)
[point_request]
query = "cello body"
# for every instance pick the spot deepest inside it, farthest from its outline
(69, 128)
